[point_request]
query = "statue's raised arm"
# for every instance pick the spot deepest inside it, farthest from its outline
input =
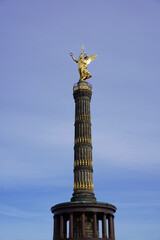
(83, 61)
(71, 54)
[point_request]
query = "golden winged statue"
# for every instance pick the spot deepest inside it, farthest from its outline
(83, 61)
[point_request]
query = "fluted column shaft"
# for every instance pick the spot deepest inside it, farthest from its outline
(83, 164)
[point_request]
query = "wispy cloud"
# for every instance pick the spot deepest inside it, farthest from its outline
(28, 129)
(126, 150)
(31, 149)
(17, 212)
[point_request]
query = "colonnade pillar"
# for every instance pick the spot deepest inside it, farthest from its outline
(61, 227)
(95, 225)
(71, 226)
(104, 227)
(83, 225)
(56, 227)
(65, 228)
(111, 228)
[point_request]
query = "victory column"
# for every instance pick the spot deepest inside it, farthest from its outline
(83, 212)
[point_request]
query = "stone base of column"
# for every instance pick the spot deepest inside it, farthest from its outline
(83, 220)
(83, 196)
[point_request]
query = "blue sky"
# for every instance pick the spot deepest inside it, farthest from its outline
(37, 111)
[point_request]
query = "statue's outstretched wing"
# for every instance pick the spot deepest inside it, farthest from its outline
(89, 59)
